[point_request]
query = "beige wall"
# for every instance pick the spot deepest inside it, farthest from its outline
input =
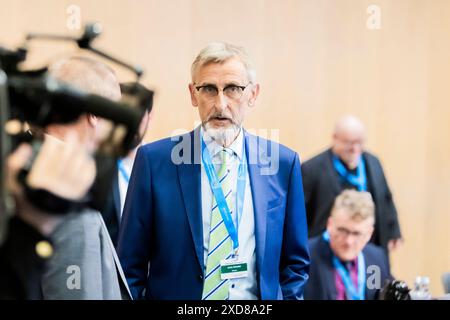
(316, 60)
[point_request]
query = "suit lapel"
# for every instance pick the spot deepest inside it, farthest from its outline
(116, 197)
(370, 292)
(189, 175)
(258, 185)
(327, 272)
(123, 284)
(331, 172)
(190, 181)
(372, 177)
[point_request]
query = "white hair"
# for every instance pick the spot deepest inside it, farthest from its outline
(219, 52)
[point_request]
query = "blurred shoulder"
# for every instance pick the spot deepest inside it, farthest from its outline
(317, 160)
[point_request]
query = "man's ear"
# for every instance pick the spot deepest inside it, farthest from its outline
(369, 234)
(329, 223)
(193, 97)
(254, 95)
(92, 120)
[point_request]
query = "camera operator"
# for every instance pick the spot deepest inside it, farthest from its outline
(80, 262)
(81, 241)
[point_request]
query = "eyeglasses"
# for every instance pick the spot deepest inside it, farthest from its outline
(344, 232)
(232, 91)
(351, 143)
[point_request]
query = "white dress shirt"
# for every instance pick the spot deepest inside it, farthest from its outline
(241, 288)
(124, 177)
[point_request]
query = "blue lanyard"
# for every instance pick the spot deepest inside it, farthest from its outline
(216, 188)
(359, 180)
(352, 293)
(122, 171)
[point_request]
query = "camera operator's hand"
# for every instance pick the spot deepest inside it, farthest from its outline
(62, 168)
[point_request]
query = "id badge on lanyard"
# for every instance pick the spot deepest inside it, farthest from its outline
(233, 267)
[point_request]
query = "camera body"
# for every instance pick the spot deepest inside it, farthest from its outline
(35, 99)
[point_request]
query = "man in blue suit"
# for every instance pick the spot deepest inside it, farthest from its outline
(216, 213)
(344, 266)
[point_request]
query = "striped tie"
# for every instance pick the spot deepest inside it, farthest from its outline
(220, 244)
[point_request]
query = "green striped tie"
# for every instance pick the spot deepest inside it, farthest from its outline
(220, 244)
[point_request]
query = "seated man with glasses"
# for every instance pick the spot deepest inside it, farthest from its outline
(344, 266)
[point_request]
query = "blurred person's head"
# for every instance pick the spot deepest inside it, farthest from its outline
(348, 140)
(351, 223)
(223, 88)
(148, 105)
(90, 76)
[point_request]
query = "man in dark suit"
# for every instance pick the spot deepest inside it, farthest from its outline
(344, 266)
(112, 212)
(347, 166)
(216, 213)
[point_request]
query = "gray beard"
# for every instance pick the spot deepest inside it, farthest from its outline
(224, 137)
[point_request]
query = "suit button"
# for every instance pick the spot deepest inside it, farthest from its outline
(200, 277)
(44, 249)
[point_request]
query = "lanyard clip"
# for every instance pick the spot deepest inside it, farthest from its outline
(235, 254)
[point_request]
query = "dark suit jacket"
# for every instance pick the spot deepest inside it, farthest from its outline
(21, 268)
(322, 185)
(162, 221)
(321, 284)
(111, 211)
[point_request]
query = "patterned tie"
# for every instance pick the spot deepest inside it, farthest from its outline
(220, 244)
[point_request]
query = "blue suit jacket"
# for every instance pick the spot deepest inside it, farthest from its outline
(321, 284)
(161, 237)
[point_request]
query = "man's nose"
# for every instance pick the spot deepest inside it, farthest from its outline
(221, 101)
(349, 240)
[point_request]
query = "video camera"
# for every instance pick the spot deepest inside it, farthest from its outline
(33, 98)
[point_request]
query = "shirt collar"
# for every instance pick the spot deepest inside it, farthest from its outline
(214, 147)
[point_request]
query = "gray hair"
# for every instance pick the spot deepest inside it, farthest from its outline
(219, 52)
(88, 75)
(358, 205)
